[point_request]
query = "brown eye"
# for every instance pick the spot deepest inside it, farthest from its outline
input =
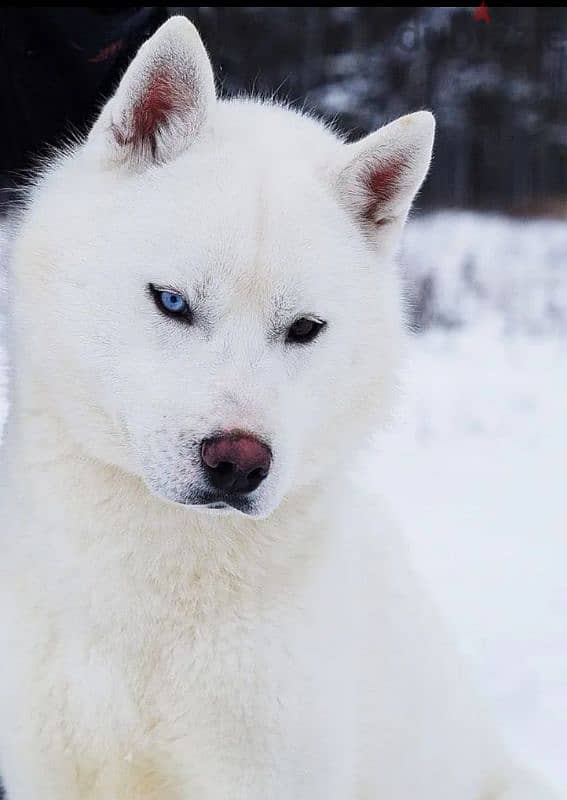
(304, 330)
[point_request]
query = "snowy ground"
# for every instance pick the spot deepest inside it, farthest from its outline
(475, 464)
(475, 468)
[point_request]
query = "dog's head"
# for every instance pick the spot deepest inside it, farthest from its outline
(208, 287)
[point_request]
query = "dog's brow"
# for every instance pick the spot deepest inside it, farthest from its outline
(284, 304)
(284, 307)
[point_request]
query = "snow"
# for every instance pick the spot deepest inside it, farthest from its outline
(475, 469)
(474, 266)
(474, 462)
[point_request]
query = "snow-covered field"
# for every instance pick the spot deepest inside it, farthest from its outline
(475, 464)
(476, 469)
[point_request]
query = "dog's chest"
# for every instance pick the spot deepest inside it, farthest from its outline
(203, 686)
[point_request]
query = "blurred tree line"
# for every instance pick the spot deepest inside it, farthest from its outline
(498, 89)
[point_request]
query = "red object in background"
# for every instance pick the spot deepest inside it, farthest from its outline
(481, 13)
(109, 51)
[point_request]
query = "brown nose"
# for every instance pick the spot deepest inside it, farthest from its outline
(235, 462)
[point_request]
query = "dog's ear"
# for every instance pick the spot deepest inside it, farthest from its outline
(162, 102)
(386, 169)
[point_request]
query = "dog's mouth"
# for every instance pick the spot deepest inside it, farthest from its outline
(220, 503)
(209, 501)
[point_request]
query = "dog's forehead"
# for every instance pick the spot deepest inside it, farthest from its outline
(259, 223)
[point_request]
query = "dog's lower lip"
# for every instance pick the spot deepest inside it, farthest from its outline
(215, 503)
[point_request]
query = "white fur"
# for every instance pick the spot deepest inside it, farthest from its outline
(150, 649)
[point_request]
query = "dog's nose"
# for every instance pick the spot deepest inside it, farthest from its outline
(235, 462)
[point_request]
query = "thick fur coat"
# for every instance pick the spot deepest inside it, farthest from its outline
(158, 643)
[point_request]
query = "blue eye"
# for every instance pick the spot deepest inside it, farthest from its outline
(171, 303)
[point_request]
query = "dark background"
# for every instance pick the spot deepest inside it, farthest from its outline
(498, 89)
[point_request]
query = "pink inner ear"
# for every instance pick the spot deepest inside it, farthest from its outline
(155, 106)
(381, 183)
(162, 99)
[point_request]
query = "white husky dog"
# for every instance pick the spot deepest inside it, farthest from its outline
(196, 604)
